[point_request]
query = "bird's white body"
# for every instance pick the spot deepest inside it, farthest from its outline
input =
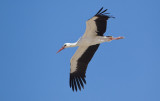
(88, 41)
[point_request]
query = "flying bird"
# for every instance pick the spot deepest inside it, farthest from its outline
(87, 46)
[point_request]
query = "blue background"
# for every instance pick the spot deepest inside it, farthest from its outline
(32, 31)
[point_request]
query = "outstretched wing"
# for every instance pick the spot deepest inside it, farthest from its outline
(97, 25)
(79, 63)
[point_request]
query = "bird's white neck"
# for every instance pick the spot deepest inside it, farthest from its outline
(72, 44)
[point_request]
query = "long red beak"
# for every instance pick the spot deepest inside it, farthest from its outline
(60, 49)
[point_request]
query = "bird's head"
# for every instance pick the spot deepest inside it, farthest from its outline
(66, 45)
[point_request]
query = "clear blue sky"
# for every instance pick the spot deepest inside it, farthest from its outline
(32, 31)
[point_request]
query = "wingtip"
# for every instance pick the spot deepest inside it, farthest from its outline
(77, 83)
(103, 11)
(99, 11)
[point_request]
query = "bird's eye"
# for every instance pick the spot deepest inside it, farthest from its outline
(65, 45)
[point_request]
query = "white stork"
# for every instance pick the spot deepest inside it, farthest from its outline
(88, 44)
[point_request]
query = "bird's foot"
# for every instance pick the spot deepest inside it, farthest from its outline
(117, 38)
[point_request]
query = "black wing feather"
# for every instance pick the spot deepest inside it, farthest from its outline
(72, 81)
(78, 83)
(75, 84)
(99, 11)
(81, 82)
(103, 11)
